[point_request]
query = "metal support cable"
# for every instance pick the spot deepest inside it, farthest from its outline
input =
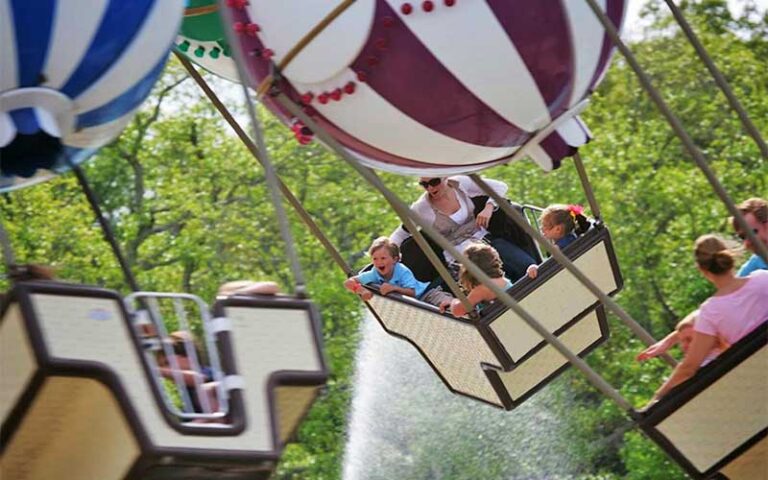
(636, 328)
(719, 78)
(303, 42)
(587, 186)
(274, 191)
(269, 169)
(403, 210)
(418, 236)
(106, 228)
(678, 128)
(8, 257)
(442, 271)
(243, 136)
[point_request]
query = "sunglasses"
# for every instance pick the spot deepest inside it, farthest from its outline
(432, 182)
(743, 236)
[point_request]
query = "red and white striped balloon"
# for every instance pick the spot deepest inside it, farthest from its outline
(443, 86)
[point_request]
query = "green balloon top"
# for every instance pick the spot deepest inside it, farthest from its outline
(202, 22)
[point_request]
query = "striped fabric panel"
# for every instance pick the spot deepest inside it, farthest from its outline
(616, 11)
(119, 25)
(458, 88)
(31, 42)
(69, 45)
(151, 41)
(124, 103)
(103, 54)
(8, 68)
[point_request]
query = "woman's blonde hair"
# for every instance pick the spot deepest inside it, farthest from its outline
(713, 255)
(486, 258)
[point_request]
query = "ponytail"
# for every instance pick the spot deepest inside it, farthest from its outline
(582, 223)
(570, 216)
(713, 255)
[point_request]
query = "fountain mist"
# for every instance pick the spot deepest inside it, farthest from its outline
(405, 424)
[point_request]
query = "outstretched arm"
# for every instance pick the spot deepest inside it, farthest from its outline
(354, 285)
(478, 294)
(387, 288)
(190, 377)
(658, 348)
(701, 345)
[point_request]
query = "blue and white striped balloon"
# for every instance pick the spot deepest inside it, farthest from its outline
(72, 73)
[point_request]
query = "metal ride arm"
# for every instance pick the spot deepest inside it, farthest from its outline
(106, 228)
(718, 77)
(587, 186)
(335, 255)
(272, 184)
(610, 29)
(243, 136)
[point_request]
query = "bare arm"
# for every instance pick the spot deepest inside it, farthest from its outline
(387, 288)
(658, 348)
(190, 377)
(353, 285)
(478, 294)
(701, 345)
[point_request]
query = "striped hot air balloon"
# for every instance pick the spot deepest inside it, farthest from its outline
(71, 75)
(444, 86)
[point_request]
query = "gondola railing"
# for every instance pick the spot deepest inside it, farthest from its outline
(82, 398)
(497, 358)
(717, 421)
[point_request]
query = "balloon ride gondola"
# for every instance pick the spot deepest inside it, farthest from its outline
(85, 393)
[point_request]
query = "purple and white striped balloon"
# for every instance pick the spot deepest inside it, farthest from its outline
(444, 86)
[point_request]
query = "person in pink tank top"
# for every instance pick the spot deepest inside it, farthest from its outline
(739, 305)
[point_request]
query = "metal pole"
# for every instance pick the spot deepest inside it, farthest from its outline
(274, 191)
(719, 78)
(678, 128)
(243, 136)
(587, 186)
(403, 210)
(8, 257)
(444, 274)
(272, 180)
(106, 228)
(566, 262)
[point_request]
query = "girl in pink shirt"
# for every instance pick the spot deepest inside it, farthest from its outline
(739, 305)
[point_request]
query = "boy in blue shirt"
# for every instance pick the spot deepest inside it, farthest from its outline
(389, 275)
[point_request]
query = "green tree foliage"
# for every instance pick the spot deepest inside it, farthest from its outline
(190, 209)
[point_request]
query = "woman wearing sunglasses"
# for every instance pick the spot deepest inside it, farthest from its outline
(447, 205)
